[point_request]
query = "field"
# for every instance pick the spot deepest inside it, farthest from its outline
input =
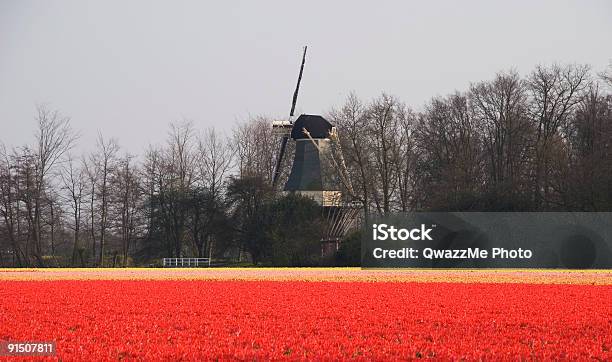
(305, 314)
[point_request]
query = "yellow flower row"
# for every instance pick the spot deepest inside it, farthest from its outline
(538, 276)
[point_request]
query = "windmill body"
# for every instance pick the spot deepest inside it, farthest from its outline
(313, 172)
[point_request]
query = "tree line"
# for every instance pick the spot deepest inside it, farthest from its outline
(537, 143)
(542, 142)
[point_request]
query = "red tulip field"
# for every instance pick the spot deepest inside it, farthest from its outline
(310, 314)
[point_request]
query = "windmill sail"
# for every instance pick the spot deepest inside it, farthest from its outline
(286, 126)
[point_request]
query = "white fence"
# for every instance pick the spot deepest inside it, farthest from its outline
(185, 262)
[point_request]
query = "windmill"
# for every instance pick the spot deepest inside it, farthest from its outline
(318, 170)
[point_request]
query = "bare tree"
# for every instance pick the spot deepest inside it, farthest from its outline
(215, 157)
(25, 188)
(91, 174)
(177, 176)
(53, 218)
(150, 175)
(126, 194)
(607, 75)
(384, 116)
(555, 91)
(406, 159)
(215, 161)
(500, 108)
(351, 122)
(10, 203)
(585, 184)
(104, 161)
(74, 184)
(54, 138)
(256, 148)
(448, 166)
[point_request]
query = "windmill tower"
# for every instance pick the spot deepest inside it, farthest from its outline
(318, 170)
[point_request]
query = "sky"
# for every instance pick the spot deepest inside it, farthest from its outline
(127, 69)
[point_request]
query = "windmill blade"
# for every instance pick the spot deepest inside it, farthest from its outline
(279, 160)
(299, 80)
(283, 147)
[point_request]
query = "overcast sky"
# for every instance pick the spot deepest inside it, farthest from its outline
(128, 68)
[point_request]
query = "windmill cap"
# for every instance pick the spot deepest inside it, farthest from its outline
(317, 126)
